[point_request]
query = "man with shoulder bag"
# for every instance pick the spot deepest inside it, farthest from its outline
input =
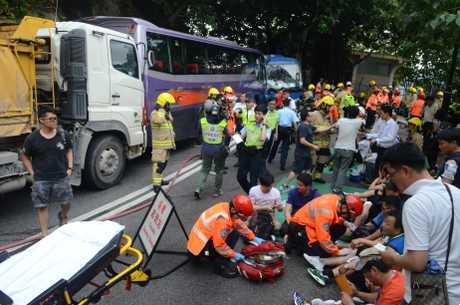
(431, 261)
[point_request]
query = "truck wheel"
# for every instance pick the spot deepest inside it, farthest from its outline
(105, 162)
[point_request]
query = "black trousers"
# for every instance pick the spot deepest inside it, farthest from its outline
(370, 119)
(251, 163)
(298, 239)
(210, 253)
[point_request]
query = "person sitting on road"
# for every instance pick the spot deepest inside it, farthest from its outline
(266, 199)
(215, 234)
(389, 281)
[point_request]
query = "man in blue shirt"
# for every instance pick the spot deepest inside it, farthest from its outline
(300, 195)
(287, 125)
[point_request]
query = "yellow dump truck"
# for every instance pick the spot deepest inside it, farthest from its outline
(74, 67)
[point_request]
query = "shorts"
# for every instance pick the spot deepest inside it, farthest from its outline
(301, 163)
(45, 192)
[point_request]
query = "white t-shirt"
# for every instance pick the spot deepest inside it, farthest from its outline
(426, 220)
(348, 131)
(260, 199)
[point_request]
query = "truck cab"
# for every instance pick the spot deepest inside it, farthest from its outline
(99, 96)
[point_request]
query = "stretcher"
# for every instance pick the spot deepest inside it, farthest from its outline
(55, 269)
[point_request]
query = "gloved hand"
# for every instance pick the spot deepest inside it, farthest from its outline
(257, 240)
(238, 257)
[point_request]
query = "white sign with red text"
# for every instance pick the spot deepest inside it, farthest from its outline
(155, 222)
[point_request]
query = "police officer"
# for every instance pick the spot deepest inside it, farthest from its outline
(213, 149)
(251, 155)
(162, 137)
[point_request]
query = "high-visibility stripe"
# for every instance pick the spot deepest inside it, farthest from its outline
(200, 235)
(207, 220)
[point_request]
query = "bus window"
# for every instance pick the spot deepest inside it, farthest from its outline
(158, 44)
(234, 62)
(124, 58)
(177, 62)
(195, 58)
(216, 62)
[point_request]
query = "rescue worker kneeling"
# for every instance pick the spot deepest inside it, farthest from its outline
(314, 228)
(215, 234)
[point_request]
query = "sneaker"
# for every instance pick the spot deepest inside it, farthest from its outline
(218, 193)
(299, 299)
(318, 276)
(196, 194)
(314, 261)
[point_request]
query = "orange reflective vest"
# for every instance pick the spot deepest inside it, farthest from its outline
(216, 224)
(372, 102)
(317, 217)
(416, 108)
(397, 101)
(383, 98)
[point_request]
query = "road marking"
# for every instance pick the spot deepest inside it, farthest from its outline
(124, 201)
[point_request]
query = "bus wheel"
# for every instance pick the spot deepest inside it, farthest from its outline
(105, 162)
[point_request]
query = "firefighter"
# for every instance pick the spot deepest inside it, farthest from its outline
(213, 149)
(215, 234)
(162, 137)
(321, 120)
(416, 108)
(314, 227)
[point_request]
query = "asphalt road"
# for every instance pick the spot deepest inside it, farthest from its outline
(189, 285)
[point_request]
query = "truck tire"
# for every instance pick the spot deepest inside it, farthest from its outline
(105, 162)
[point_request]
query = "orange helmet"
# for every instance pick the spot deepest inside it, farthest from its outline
(354, 203)
(243, 205)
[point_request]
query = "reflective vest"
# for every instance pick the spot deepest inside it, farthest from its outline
(248, 117)
(397, 101)
(271, 119)
(216, 224)
(318, 216)
(162, 130)
(416, 109)
(212, 133)
(253, 133)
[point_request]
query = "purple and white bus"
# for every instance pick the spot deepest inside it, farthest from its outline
(187, 66)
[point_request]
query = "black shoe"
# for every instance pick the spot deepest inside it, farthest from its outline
(319, 180)
(196, 194)
(228, 271)
(156, 188)
(164, 182)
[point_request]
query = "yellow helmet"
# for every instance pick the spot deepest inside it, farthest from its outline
(340, 85)
(311, 87)
(213, 91)
(362, 94)
(372, 83)
(165, 98)
(412, 90)
(327, 87)
(415, 121)
(420, 89)
(440, 94)
(327, 100)
(228, 90)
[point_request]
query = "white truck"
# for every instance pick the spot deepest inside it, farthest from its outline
(92, 77)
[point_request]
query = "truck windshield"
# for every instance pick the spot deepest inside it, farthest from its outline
(283, 75)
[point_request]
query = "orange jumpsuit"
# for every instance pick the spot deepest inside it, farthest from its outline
(416, 108)
(216, 224)
(317, 217)
(372, 102)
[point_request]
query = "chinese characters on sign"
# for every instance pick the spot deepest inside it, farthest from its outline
(155, 222)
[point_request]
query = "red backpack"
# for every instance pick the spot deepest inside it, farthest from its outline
(264, 262)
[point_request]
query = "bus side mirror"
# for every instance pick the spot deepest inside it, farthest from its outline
(297, 77)
(151, 58)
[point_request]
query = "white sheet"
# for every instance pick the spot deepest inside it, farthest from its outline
(60, 255)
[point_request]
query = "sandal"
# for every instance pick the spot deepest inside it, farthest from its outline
(62, 220)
